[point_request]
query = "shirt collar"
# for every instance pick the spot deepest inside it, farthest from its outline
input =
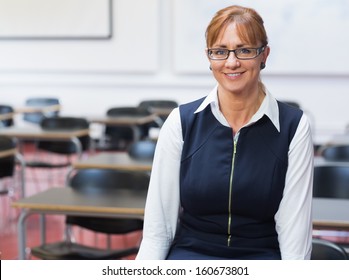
(269, 107)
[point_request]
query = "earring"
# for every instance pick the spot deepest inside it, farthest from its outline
(262, 65)
(210, 67)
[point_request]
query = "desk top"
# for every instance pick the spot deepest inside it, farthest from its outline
(39, 109)
(110, 160)
(123, 120)
(7, 153)
(320, 161)
(64, 200)
(6, 116)
(36, 132)
(326, 212)
(331, 213)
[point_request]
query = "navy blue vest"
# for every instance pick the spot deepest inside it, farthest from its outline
(223, 201)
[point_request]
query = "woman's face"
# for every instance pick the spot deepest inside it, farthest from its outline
(235, 75)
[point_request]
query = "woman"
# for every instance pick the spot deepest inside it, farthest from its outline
(232, 172)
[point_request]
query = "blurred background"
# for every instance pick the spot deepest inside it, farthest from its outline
(96, 54)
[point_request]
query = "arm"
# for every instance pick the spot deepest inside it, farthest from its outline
(294, 219)
(162, 205)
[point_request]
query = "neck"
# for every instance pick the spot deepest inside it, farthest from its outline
(238, 109)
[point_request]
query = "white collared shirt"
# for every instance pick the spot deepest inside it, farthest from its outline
(293, 219)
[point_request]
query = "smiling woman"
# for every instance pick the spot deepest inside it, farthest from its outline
(232, 172)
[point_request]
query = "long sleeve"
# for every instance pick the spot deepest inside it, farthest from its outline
(162, 204)
(294, 217)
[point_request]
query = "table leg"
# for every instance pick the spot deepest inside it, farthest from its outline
(22, 233)
(21, 160)
(43, 229)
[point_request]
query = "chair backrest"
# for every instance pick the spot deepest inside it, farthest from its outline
(6, 109)
(106, 181)
(127, 111)
(7, 164)
(331, 181)
(36, 117)
(327, 250)
(66, 123)
(157, 103)
(123, 132)
(335, 153)
(142, 150)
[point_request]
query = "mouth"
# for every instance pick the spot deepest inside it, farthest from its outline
(233, 75)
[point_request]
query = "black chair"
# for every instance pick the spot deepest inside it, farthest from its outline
(119, 137)
(150, 105)
(7, 163)
(8, 169)
(55, 153)
(338, 153)
(4, 110)
(37, 117)
(331, 181)
(142, 150)
(327, 250)
(96, 182)
(153, 104)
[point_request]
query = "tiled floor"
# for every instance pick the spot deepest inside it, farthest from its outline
(55, 223)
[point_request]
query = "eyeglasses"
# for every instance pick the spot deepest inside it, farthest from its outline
(242, 53)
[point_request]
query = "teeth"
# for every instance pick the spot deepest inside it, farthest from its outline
(233, 75)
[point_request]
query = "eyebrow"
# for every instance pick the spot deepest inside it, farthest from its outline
(225, 46)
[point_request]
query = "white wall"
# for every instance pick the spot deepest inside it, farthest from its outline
(141, 61)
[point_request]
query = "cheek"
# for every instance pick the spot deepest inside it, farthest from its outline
(217, 67)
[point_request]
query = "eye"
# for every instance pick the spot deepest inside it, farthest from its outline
(218, 52)
(245, 51)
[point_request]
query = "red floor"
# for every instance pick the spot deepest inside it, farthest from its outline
(38, 181)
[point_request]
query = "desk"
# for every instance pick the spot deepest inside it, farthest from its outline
(66, 201)
(111, 160)
(131, 121)
(119, 160)
(7, 153)
(329, 212)
(161, 111)
(37, 133)
(38, 109)
(6, 116)
(320, 161)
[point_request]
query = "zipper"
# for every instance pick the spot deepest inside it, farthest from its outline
(231, 190)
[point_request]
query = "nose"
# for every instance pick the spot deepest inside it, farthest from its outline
(232, 60)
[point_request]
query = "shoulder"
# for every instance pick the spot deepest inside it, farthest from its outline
(190, 107)
(289, 115)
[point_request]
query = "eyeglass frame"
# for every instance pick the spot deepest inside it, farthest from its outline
(259, 51)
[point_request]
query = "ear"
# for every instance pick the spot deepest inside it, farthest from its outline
(265, 54)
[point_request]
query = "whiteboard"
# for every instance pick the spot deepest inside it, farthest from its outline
(305, 36)
(55, 19)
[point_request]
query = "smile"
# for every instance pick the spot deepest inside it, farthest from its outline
(233, 74)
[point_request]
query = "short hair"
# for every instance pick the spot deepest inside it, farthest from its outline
(250, 25)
